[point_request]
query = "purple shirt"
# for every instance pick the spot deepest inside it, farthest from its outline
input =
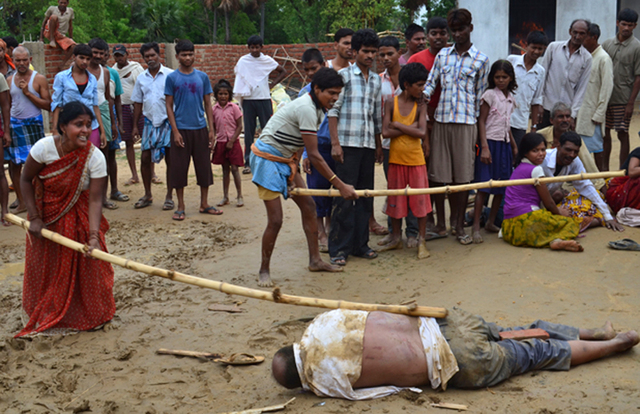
(522, 199)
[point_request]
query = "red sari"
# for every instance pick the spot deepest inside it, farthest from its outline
(62, 288)
(623, 192)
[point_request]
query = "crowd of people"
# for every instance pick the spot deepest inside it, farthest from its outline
(437, 115)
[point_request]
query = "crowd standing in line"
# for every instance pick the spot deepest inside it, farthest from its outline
(436, 116)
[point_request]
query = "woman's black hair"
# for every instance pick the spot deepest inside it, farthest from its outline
(412, 73)
(506, 67)
(528, 142)
(223, 84)
(71, 111)
(326, 78)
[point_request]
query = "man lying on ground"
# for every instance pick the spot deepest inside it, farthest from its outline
(360, 355)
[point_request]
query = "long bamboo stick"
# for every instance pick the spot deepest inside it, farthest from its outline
(332, 192)
(274, 296)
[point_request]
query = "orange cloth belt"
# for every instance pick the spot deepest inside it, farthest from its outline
(291, 162)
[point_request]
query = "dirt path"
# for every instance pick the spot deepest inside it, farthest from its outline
(117, 371)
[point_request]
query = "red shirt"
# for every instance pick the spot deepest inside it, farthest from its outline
(426, 58)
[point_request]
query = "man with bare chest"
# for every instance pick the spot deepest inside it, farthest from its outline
(359, 355)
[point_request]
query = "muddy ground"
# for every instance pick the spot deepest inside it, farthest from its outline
(117, 370)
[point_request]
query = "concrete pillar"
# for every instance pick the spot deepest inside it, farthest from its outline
(37, 60)
(597, 11)
(170, 56)
(494, 42)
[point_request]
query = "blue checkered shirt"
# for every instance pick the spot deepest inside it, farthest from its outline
(463, 79)
(358, 109)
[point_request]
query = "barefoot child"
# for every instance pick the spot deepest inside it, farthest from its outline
(405, 123)
(227, 123)
(525, 224)
(496, 142)
(274, 155)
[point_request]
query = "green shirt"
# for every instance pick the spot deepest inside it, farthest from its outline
(626, 66)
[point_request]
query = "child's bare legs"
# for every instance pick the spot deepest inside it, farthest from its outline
(587, 351)
(423, 252)
(274, 223)
(14, 172)
(458, 202)
(4, 197)
(490, 225)
(131, 159)
(238, 183)
(395, 238)
(324, 223)
(481, 197)
(226, 179)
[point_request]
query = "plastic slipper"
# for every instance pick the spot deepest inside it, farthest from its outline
(211, 210)
(431, 235)
(110, 205)
(143, 202)
(369, 254)
(178, 215)
(223, 202)
(156, 180)
(338, 260)
(131, 181)
(168, 205)
(119, 196)
(625, 244)
(240, 202)
(464, 239)
(240, 359)
(246, 170)
(15, 204)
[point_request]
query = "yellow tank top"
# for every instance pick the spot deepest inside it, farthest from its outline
(405, 149)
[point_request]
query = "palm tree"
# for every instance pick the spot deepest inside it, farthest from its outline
(228, 6)
(214, 5)
(160, 17)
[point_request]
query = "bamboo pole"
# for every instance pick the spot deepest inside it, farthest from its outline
(275, 296)
(332, 192)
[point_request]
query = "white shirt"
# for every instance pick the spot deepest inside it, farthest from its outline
(529, 92)
(584, 187)
(149, 91)
(45, 152)
(133, 70)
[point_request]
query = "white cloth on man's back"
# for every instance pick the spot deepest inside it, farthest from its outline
(629, 217)
(252, 76)
(128, 76)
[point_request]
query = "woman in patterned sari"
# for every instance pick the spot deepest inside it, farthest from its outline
(525, 223)
(625, 191)
(62, 183)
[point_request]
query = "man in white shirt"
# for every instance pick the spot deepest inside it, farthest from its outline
(149, 100)
(253, 86)
(564, 161)
(568, 65)
(596, 98)
(530, 78)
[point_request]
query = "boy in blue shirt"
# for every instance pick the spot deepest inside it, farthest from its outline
(187, 88)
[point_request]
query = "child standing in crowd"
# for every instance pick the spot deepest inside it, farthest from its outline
(407, 165)
(496, 142)
(227, 123)
(525, 224)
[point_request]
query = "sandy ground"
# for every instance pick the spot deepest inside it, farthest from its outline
(116, 370)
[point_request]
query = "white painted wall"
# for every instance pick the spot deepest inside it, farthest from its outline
(602, 12)
(634, 5)
(491, 26)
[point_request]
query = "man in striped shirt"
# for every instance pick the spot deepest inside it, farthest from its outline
(461, 71)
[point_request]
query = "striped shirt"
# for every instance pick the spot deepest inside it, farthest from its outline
(285, 128)
(358, 109)
(463, 79)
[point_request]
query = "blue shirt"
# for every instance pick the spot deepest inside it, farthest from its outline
(65, 90)
(188, 93)
(324, 138)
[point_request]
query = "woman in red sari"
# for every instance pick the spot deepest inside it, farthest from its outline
(625, 191)
(62, 183)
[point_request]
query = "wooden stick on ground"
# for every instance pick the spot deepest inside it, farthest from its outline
(193, 354)
(274, 296)
(332, 192)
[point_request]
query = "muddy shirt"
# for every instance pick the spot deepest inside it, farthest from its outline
(329, 356)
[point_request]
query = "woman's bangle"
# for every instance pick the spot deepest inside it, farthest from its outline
(332, 177)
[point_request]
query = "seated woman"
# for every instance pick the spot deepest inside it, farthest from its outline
(62, 184)
(625, 191)
(525, 223)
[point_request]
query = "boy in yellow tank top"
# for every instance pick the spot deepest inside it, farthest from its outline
(405, 123)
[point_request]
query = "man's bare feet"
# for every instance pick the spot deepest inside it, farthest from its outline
(492, 228)
(412, 242)
(393, 244)
(568, 245)
(322, 266)
(423, 252)
(477, 237)
(627, 340)
(264, 280)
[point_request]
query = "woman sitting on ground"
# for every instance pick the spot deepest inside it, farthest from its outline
(625, 191)
(525, 223)
(62, 183)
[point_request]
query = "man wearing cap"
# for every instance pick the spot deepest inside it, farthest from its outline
(57, 26)
(129, 72)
